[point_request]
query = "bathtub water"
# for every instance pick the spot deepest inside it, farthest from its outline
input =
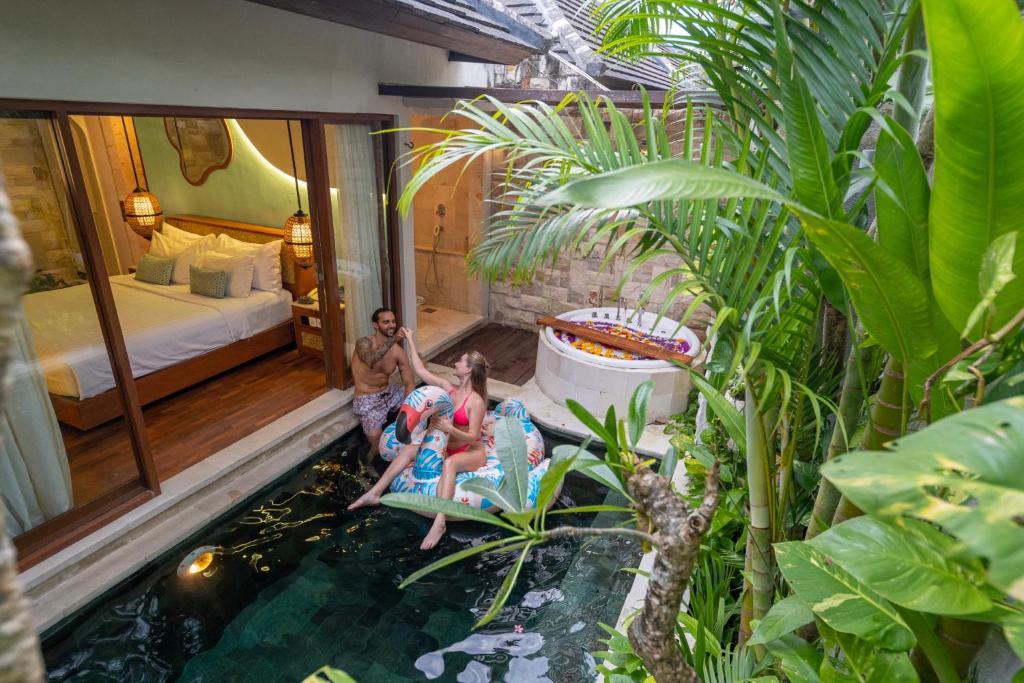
(597, 382)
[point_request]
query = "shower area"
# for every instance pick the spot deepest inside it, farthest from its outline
(448, 215)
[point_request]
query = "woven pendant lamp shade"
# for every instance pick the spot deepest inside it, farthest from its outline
(142, 212)
(298, 238)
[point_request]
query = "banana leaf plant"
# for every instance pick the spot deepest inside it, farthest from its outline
(941, 539)
(658, 517)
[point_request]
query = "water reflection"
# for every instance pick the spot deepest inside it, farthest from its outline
(296, 583)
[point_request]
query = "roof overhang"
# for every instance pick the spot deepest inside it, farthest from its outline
(621, 98)
(489, 35)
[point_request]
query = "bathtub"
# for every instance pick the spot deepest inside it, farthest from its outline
(597, 382)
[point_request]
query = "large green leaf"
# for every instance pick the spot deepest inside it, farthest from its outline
(839, 599)
(890, 299)
(865, 662)
(996, 273)
(901, 202)
(963, 473)
(906, 564)
(723, 410)
(433, 505)
(638, 411)
(800, 660)
(810, 159)
(669, 179)
(592, 466)
(510, 447)
(1013, 629)
(784, 617)
(977, 51)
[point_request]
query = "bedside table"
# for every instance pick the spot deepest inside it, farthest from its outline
(309, 328)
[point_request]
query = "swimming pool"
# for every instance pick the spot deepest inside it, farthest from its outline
(296, 582)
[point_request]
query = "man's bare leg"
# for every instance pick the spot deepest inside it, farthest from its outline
(401, 461)
(374, 439)
(472, 459)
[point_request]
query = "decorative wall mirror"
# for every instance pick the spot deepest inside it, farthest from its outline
(203, 145)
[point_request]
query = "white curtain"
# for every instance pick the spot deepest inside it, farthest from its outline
(357, 228)
(35, 481)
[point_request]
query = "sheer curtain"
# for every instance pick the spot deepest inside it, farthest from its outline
(356, 228)
(35, 481)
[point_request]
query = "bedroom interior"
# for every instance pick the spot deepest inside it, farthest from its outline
(201, 229)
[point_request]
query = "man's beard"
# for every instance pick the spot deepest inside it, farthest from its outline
(388, 333)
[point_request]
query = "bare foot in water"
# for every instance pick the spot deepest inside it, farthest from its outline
(368, 499)
(433, 536)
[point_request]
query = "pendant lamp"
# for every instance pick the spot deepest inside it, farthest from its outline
(141, 209)
(298, 230)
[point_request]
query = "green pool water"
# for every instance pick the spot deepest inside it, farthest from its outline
(299, 582)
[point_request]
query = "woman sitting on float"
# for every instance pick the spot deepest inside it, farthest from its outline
(465, 448)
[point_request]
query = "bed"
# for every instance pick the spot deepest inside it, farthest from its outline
(174, 338)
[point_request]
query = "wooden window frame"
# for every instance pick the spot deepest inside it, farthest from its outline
(60, 532)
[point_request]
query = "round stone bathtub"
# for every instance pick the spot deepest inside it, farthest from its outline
(596, 382)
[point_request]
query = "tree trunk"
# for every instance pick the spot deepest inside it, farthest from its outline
(20, 659)
(678, 531)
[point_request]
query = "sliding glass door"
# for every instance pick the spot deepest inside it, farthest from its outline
(52, 468)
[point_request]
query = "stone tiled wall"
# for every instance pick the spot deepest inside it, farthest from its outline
(34, 199)
(576, 282)
(579, 282)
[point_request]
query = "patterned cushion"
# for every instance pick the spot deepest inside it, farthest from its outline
(207, 282)
(154, 269)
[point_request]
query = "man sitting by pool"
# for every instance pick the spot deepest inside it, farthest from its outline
(374, 361)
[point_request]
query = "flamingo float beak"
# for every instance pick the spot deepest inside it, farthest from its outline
(406, 421)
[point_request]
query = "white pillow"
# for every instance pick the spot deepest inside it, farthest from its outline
(238, 268)
(178, 235)
(266, 259)
(184, 254)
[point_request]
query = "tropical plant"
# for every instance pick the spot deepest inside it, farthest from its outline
(769, 221)
(658, 515)
(939, 542)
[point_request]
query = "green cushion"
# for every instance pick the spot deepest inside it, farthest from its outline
(154, 269)
(207, 282)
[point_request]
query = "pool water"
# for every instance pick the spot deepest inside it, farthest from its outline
(297, 582)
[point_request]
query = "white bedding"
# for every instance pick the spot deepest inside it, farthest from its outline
(162, 326)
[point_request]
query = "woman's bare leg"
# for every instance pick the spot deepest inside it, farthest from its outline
(401, 461)
(467, 461)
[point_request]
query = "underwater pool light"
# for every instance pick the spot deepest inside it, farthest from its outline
(197, 561)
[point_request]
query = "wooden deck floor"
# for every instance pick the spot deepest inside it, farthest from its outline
(195, 423)
(512, 352)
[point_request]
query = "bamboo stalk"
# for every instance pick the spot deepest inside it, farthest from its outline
(851, 402)
(887, 423)
(759, 485)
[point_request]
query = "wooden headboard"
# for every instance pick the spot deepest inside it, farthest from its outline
(296, 280)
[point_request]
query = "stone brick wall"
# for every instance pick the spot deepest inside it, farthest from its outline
(579, 282)
(28, 174)
(576, 282)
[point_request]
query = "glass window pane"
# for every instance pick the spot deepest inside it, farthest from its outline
(64, 442)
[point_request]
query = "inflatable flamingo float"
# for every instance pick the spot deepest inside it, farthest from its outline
(422, 476)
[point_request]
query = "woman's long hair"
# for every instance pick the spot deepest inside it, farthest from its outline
(478, 367)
